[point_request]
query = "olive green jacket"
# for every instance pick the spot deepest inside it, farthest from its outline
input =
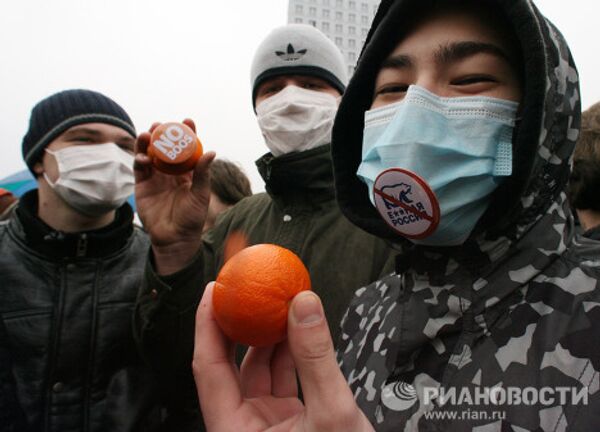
(299, 212)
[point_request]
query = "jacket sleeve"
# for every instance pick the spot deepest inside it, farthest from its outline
(164, 319)
(164, 332)
(12, 418)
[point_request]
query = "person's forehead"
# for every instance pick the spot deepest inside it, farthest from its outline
(450, 26)
(98, 129)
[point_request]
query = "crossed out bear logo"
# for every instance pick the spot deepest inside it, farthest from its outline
(400, 191)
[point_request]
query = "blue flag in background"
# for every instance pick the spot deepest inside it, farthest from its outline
(23, 181)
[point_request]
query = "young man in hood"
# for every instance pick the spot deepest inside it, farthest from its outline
(453, 140)
(297, 76)
(71, 262)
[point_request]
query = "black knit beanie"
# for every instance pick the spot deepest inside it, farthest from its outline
(57, 113)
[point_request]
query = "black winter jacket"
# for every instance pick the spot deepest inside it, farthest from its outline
(66, 301)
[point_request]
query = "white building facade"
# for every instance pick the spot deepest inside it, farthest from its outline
(345, 22)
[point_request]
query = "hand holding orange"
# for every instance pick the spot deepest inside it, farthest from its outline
(253, 291)
(174, 148)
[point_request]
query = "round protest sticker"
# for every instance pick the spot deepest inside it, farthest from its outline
(407, 203)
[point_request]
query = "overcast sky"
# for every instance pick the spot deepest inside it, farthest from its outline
(165, 60)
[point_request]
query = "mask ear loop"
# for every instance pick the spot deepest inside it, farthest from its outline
(50, 182)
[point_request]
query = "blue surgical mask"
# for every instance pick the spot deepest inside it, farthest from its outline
(454, 152)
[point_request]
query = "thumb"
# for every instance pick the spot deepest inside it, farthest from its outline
(323, 385)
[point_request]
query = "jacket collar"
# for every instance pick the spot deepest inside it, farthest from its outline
(307, 174)
(56, 244)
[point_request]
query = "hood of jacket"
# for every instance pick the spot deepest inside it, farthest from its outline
(542, 144)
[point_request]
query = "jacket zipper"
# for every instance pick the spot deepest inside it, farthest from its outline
(56, 333)
(82, 245)
(269, 170)
(89, 379)
(404, 294)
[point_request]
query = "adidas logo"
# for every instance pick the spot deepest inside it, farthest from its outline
(291, 54)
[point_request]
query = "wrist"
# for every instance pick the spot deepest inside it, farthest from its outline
(169, 259)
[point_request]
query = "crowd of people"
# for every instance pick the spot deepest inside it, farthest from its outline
(444, 201)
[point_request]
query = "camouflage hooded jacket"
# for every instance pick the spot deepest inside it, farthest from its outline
(503, 332)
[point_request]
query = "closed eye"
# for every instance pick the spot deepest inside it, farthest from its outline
(311, 83)
(126, 145)
(311, 86)
(475, 79)
(390, 89)
(82, 139)
(272, 89)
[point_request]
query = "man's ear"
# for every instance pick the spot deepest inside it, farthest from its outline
(38, 168)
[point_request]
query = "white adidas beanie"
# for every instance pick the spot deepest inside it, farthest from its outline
(298, 49)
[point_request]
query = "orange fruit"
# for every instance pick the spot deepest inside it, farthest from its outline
(253, 291)
(174, 148)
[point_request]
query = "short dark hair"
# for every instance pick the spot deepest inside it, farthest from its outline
(584, 183)
(229, 182)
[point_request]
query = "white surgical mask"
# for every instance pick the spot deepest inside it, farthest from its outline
(296, 119)
(93, 179)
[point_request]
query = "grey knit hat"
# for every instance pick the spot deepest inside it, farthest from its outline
(298, 49)
(61, 111)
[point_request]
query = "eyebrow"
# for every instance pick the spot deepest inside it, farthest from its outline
(449, 53)
(82, 130)
(457, 51)
(271, 81)
(124, 139)
(397, 62)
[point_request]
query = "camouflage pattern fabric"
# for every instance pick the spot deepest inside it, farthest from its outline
(510, 326)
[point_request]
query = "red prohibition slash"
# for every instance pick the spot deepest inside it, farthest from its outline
(404, 206)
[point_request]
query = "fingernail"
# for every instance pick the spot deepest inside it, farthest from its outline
(307, 309)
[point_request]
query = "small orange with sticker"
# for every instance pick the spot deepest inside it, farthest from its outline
(174, 148)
